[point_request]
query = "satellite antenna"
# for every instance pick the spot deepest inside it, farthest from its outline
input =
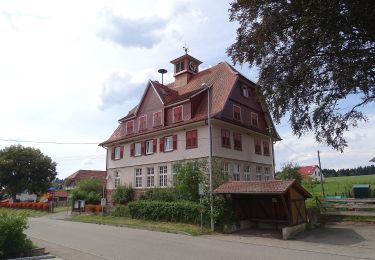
(162, 72)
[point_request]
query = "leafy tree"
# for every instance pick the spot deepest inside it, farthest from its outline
(122, 194)
(311, 55)
(188, 178)
(25, 168)
(290, 171)
(89, 190)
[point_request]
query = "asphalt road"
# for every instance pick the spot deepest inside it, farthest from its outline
(73, 240)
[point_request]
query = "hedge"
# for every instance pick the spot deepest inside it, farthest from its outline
(26, 205)
(178, 211)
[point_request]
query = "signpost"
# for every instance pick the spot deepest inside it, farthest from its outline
(201, 193)
(103, 202)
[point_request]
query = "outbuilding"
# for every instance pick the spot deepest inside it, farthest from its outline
(278, 204)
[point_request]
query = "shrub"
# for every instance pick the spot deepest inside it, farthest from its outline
(122, 211)
(223, 214)
(45, 206)
(98, 209)
(179, 211)
(122, 194)
(189, 177)
(161, 194)
(12, 240)
(89, 190)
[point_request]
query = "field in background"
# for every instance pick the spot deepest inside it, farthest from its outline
(338, 186)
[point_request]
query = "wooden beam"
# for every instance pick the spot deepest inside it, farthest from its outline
(286, 209)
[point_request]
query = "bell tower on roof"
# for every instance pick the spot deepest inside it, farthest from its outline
(184, 68)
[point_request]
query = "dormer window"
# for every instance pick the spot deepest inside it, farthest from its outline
(245, 91)
(180, 66)
(254, 120)
(236, 113)
(130, 127)
(177, 114)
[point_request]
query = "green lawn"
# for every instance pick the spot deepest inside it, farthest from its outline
(27, 212)
(144, 224)
(339, 185)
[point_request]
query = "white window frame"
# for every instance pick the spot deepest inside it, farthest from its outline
(259, 177)
(258, 169)
(150, 146)
(150, 181)
(182, 114)
(163, 176)
(266, 170)
(117, 152)
(179, 67)
(138, 178)
(137, 149)
(126, 126)
(247, 172)
(139, 123)
(236, 172)
(168, 143)
(226, 167)
(267, 177)
(245, 91)
(161, 118)
(117, 179)
(175, 169)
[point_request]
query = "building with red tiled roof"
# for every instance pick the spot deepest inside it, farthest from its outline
(71, 180)
(170, 124)
(312, 171)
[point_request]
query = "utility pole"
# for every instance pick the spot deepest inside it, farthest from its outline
(321, 174)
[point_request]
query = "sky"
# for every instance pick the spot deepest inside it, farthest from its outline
(70, 69)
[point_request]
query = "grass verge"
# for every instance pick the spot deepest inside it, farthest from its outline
(171, 227)
(27, 212)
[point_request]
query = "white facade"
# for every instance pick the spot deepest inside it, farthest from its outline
(147, 171)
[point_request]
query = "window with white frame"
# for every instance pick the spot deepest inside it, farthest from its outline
(266, 177)
(138, 177)
(259, 177)
(258, 169)
(168, 143)
(117, 153)
(117, 179)
(137, 149)
(150, 177)
(149, 146)
(236, 172)
(225, 167)
(266, 170)
(246, 172)
(163, 177)
(245, 91)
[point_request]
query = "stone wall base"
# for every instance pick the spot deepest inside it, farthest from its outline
(289, 232)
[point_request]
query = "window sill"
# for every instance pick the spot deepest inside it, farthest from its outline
(191, 147)
(150, 153)
(258, 153)
(167, 151)
(237, 148)
(137, 155)
(226, 146)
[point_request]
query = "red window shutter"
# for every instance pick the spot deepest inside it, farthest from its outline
(132, 147)
(155, 145)
(188, 140)
(161, 144)
(143, 148)
(174, 142)
(121, 152)
(112, 153)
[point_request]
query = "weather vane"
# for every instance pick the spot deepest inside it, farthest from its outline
(185, 49)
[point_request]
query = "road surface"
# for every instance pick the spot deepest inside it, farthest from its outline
(73, 240)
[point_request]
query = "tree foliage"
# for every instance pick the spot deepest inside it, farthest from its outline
(122, 194)
(366, 170)
(188, 178)
(290, 171)
(89, 190)
(25, 169)
(311, 55)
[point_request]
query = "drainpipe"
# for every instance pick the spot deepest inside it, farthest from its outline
(210, 153)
